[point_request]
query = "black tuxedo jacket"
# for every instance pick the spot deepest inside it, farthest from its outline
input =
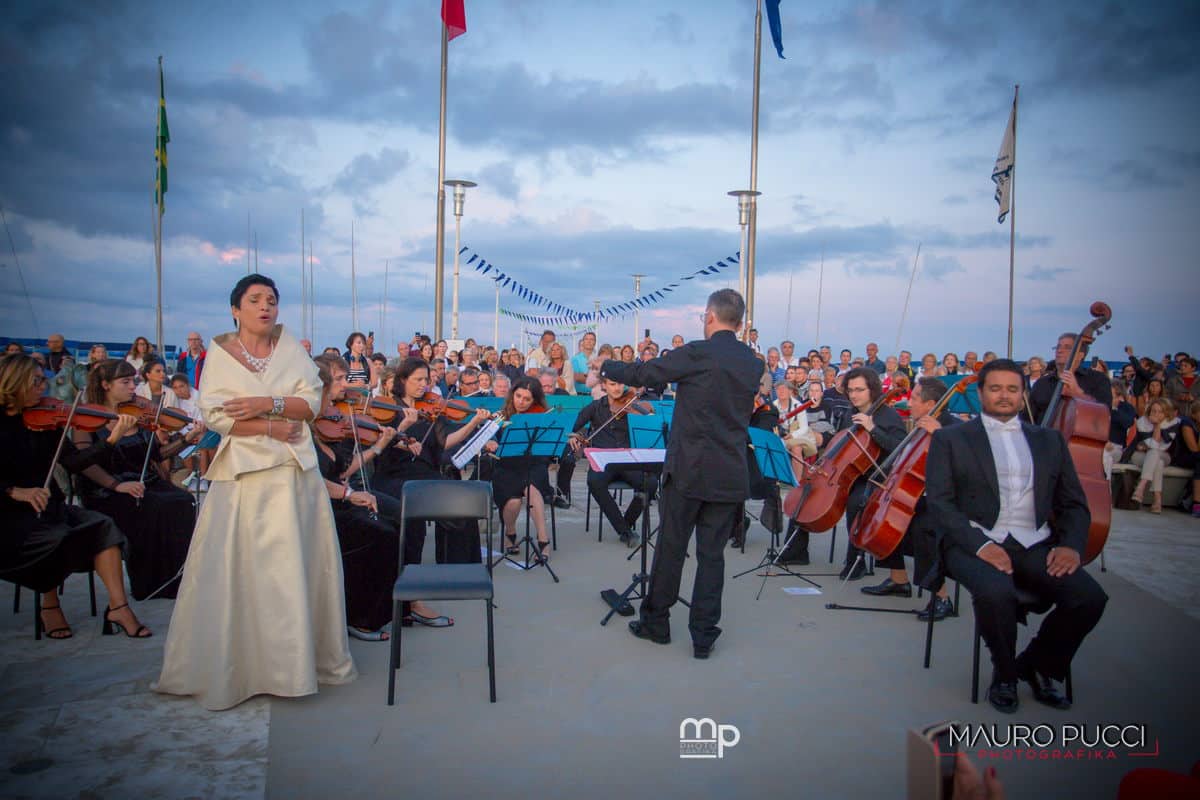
(717, 379)
(961, 486)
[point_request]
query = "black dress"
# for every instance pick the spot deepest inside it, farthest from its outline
(454, 542)
(41, 551)
(511, 475)
(158, 529)
(370, 550)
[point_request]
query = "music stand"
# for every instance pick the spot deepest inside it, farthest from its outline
(650, 432)
(531, 435)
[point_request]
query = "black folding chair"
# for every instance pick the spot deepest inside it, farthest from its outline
(448, 501)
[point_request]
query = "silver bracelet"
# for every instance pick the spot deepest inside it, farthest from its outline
(277, 406)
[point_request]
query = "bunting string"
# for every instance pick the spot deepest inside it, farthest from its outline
(559, 314)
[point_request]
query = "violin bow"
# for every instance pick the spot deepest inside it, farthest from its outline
(150, 444)
(636, 394)
(362, 467)
(61, 441)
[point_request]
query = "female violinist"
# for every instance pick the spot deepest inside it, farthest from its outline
(370, 543)
(155, 515)
(45, 540)
(520, 479)
(455, 543)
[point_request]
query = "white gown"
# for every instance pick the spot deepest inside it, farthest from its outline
(261, 608)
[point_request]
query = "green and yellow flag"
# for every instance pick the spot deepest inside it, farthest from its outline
(160, 143)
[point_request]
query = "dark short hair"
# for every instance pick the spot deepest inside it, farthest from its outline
(874, 386)
(149, 363)
(931, 389)
(177, 377)
(1189, 360)
(356, 335)
(999, 365)
(241, 287)
(727, 306)
(379, 358)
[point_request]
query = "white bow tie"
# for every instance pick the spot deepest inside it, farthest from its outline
(1012, 426)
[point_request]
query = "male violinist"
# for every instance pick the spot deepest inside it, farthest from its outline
(1076, 382)
(920, 540)
(992, 485)
(595, 418)
(705, 479)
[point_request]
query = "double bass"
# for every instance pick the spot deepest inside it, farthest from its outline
(819, 500)
(885, 518)
(1084, 423)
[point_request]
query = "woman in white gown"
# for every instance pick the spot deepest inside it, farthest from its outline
(261, 608)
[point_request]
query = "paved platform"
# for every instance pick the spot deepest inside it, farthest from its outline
(821, 698)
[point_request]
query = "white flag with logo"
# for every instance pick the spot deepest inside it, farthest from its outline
(1002, 172)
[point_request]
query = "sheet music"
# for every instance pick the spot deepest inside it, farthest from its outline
(476, 443)
(601, 457)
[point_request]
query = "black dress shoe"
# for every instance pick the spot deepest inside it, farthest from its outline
(942, 608)
(629, 538)
(852, 575)
(737, 543)
(889, 586)
(1046, 690)
(702, 651)
(1002, 696)
(794, 559)
(561, 501)
(640, 631)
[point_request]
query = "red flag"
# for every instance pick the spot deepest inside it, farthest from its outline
(454, 15)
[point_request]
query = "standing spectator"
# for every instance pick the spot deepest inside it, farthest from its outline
(426, 352)
(950, 364)
(437, 377)
(56, 343)
(539, 356)
(873, 361)
(844, 364)
(891, 367)
(356, 357)
(1143, 371)
(787, 352)
(557, 359)
(191, 360)
(1036, 368)
(774, 366)
(929, 366)
(989, 356)
(1121, 418)
(14, 349)
(816, 368)
(402, 351)
(753, 341)
(378, 363)
(627, 354)
(138, 354)
(827, 354)
(307, 345)
(500, 385)
(676, 341)
(904, 364)
(967, 367)
(581, 360)
(1154, 391)
(1151, 451)
(97, 355)
(1181, 387)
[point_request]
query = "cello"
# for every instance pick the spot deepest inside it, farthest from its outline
(1084, 423)
(886, 516)
(819, 500)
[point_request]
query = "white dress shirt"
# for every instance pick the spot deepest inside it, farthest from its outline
(1014, 475)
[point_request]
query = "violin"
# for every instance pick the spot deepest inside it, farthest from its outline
(150, 417)
(880, 527)
(627, 403)
(50, 413)
(1084, 423)
(332, 427)
(363, 404)
(818, 501)
(433, 405)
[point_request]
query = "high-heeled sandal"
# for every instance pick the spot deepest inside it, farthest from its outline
(511, 547)
(543, 550)
(110, 625)
(64, 632)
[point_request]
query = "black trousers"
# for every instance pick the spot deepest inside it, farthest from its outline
(855, 503)
(598, 483)
(566, 469)
(713, 523)
(1078, 604)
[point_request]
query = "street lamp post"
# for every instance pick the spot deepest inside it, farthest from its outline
(460, 194)
(637, 294)
(745, 198)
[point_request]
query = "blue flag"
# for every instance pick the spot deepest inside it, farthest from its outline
(776, 28)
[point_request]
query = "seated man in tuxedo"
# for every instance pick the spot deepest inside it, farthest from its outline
(992, 485)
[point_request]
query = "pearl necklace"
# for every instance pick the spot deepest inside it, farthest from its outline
(259, 364)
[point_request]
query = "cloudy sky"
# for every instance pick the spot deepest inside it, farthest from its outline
(604, 137)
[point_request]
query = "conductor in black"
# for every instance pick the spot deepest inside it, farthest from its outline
(705, 479)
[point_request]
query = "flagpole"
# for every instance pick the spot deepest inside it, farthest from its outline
(907, 295)
(312, 297)
(303, 282)
(247, 242)
(383, 305)
(787, 328)
(440, 244)
(752, 231)
(1012, 222)
(496, 324)
(158, 322)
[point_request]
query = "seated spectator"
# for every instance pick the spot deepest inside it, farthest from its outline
(97, 355)
(154, 384)
(1151, 451)
(627, 354)
(1186, 453)
(950, 364)
(191, 360)
(14, 349)
(929, 367)
(1035, 368)
(798, 439)
(558, 361)
(548, 379)
(187, 400)
(485, 383)
(377, 362)
(468, 382)
(56, 344)
(1122, 417)
(500, 385)
(775, 365)
(1181, 387)
(1154, 391)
